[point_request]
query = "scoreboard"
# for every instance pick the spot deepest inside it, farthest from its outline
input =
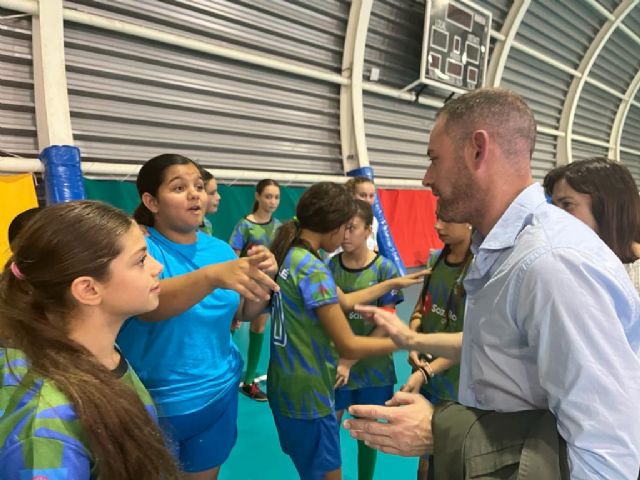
(455, 46)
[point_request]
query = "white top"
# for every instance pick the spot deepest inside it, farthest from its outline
(372, 243)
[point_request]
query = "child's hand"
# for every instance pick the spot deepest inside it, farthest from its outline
(236, 323)
(414, 360)
(268, 265)
(245, 276)
(411, 279)
(414, 383)
(342, 372)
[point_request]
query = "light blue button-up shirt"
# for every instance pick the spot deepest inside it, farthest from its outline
(553, 322)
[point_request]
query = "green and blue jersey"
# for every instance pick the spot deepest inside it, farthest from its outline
(247, 234)
(302, 367)
(40, 434)
(372, 371)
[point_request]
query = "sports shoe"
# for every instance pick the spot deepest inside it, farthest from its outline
(253, 391)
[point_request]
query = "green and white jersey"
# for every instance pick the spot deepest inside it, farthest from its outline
(40, 434)
(302, 367)
(247, 234)
(372, 371)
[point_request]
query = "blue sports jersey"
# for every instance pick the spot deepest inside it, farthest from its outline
(188, 360)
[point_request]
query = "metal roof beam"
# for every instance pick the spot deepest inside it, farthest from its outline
(564, 151)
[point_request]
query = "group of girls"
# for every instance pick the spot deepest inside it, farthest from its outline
(82, 273)
(83, 278)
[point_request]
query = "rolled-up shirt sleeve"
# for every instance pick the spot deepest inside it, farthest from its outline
(581, 318)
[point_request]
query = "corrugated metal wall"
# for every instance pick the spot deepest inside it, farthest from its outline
(397, 136)
(132, 99)
(17, 111)
(631, 140)
(562, 31)
(398, 131)
(631, 129)
(544, 156)
(581, 151)
(595, 114)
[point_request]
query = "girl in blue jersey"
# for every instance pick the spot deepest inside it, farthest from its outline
(257, 228)
(308, 325)
(183, 351)
(369, 381)
(70, 405)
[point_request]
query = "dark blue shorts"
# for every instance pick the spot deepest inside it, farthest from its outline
(313, 444)
(203, 439)
(362, 396)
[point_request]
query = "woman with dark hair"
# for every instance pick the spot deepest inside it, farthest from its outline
(188, 361)
(602, 194)
(70, 404)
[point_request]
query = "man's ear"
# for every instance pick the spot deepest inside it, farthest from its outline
(479, 147)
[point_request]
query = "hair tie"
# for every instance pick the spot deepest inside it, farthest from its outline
(296, 224)
(16, 271)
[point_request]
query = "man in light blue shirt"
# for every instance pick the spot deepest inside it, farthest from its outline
(552, 319)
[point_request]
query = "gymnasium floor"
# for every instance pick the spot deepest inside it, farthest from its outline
(257, 454)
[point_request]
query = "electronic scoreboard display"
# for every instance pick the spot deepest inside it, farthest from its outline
(455, 47)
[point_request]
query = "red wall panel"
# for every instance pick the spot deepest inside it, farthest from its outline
(411, 215)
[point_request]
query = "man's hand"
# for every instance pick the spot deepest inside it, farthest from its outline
(407, 430)
(395, 328)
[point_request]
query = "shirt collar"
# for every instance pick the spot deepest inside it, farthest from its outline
(513, 220)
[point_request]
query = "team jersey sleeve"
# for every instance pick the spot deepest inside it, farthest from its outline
(332, 264)
(387, 271)
(44, 458)
(433, 258)
(317, 287)
(239, 236)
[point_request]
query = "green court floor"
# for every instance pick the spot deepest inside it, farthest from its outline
(257, 454)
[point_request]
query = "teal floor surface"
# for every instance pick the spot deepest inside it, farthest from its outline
(257, 454)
